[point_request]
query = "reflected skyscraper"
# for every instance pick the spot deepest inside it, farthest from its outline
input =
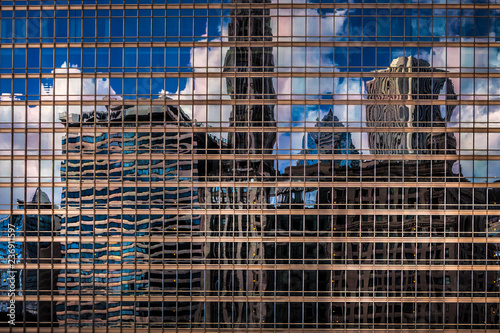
(247, 25)
(328, 142)
(401, 91)
(351, 204)
(136, 197)
(35, 254)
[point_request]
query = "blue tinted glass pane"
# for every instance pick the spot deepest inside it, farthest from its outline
(116, 83)
(89, 27)
(6, 28)
(34, 27)
(157, 85)
(130, 27)
(130, 55)
(61, 57)
(481, 26)
(158, 57)
(47, 27)
(186, 25)
(116, 57)
(171, 84)
(144, 58)
(6, 58)
(172, 26)
(19, 86)
(158, 26)
(129, 87)
(116, 27)
(74, 57)
(33, 58)
(75, 29)
(144, 27)
(47, 57)
(33, 89)
(340, 56)
(88, 57)
(5, 86)
(61, 27)
(102, 57)
(102, 27)
(144, 86)
(20, 28)
(19, 58)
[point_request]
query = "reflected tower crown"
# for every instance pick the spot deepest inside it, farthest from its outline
(251, 25)
(404, 88)
(328, 142)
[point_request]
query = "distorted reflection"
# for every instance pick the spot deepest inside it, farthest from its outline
(364, 213)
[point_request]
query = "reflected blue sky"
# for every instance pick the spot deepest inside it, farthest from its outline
(201, 25)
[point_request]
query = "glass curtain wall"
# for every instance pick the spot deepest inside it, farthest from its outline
(250, 165)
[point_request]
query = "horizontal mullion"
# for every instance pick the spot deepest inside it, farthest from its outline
(281, 100)
(271, 74)
(279, 211)
(256, 5)
(86, 183)
(257, 44)
(344, 327)
(306, 127)
(362, 294)
(243, 267)
(82, 238)
(69, 296)
(241, 157)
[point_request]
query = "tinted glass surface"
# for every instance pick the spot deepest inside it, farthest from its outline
(250, 165)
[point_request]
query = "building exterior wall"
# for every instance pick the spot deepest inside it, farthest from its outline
(130, 190)
(250, 166)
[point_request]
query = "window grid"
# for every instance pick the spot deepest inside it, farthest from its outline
(263, 165)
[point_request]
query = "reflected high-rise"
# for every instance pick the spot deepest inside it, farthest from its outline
(403, 90)
(256, 119)
(41, 254)
(125, 248)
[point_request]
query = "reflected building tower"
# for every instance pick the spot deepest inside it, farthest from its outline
(248, 26)
(328, 142)
(121, 202)
(252, 118)
(400, 101)
(389, 109)
(402, 97)
(38, 278)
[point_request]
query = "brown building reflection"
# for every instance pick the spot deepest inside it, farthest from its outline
(407, 277)
(407, 82)
(247, 25)
(366, 246)
(112, 171)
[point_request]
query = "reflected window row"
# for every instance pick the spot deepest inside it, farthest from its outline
(274, 315)
(161, 224)
(149, 2)
(177, 59)
(155, 25)
(291, 283)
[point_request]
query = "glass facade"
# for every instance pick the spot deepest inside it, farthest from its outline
(250, 165)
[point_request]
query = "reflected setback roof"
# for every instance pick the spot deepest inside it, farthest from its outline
(130, 113)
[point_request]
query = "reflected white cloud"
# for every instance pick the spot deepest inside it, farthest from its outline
(76, 89)
(204, 60)
(284, 25)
